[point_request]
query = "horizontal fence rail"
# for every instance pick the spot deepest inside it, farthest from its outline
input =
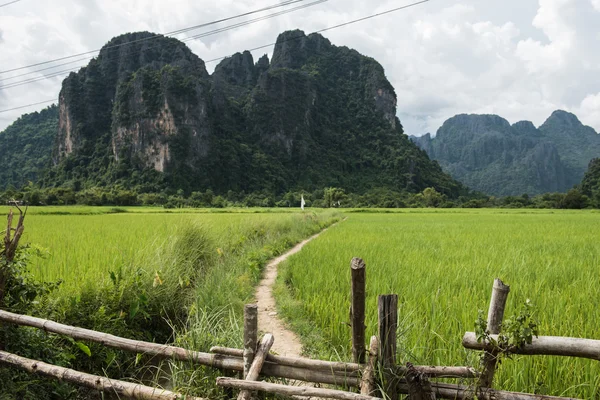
(112, 386)
(544, 345)
(254, 362)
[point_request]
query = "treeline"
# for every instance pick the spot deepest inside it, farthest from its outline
(331, 197)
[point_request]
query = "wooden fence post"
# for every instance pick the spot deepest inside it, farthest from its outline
(250, 335)
(388, 325)
(357, 310)
(494, 322)
(257, 364)
(367, 382)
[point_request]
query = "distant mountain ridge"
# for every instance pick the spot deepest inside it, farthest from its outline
(146, 115)
(488, 154)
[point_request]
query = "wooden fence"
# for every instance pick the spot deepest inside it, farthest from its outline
(374, 373)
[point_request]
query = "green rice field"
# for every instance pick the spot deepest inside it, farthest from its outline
(442, 265)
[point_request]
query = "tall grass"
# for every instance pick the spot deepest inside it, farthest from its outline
(160, 277)
(442, 266)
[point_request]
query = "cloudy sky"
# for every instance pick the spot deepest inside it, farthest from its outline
(521, 59)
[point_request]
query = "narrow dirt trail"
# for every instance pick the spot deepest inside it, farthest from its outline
(287, 342)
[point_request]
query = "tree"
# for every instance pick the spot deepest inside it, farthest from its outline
(333, 196)
(432, 198)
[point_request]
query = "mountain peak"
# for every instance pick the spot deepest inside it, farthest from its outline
(564, 118)
(293, 48)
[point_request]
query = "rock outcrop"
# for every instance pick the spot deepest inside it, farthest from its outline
(488, 154)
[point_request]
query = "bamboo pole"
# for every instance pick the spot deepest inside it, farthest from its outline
(257, 364)
(299, 362)
(494, 321)
(441, 372)
(388, 324)
(357, 309)
(545, 345)
(120, 388)
(178, 353)
(460, 392)
(250, 335)
(352, 369)
(367, 383)
(304, 391)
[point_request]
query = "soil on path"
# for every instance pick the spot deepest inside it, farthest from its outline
(287, 342)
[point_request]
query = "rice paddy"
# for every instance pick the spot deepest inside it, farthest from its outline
(442, 266)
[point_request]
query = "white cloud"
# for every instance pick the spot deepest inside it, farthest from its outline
(589, 110)
(518, 59)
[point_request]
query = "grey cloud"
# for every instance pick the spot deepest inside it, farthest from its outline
(443, 58)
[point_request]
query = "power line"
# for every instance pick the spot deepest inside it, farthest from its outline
(204, 34)
(28, 105)
(294, 38)
(9, 3)
(183, 30)
(330, 28)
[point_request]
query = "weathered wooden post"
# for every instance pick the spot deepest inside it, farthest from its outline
(367, 382)
(257, 364)
(494, 322)
(250, 335)
(357, 310)
(388, 325)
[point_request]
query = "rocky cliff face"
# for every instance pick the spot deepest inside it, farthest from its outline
(488, 154)
(315, 115)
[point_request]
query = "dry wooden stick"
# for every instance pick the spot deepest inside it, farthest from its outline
(320, 365)
(367, 383)
(494, 322)
(357, 309)
(257, 364)
(126, 389)
(250, 335)
(178, 353)
(351, 369)
(544, 345)
(304, 391)
(462, 392)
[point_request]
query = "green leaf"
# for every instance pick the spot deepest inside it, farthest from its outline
(134, 308)
(84, 348)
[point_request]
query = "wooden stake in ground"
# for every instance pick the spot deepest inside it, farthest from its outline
(418, 385)
(494, 322)
(120, 388)
(357, 310)
(8, 251)
(250, 335)
(257, 364)
(388, 325)
(367, 383)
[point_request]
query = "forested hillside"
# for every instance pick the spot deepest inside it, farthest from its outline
(590, 185)
(26, 146)
(488, 154)
(146, 116)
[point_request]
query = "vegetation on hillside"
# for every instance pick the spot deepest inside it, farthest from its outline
(26, 148)
(149, 119)
(489, 155)
(590, 185)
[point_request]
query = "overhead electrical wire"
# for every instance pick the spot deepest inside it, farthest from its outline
(9, 3)
(28, 105)
(297, 37)
(330, 28)
(204, 34)
(183, 30)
